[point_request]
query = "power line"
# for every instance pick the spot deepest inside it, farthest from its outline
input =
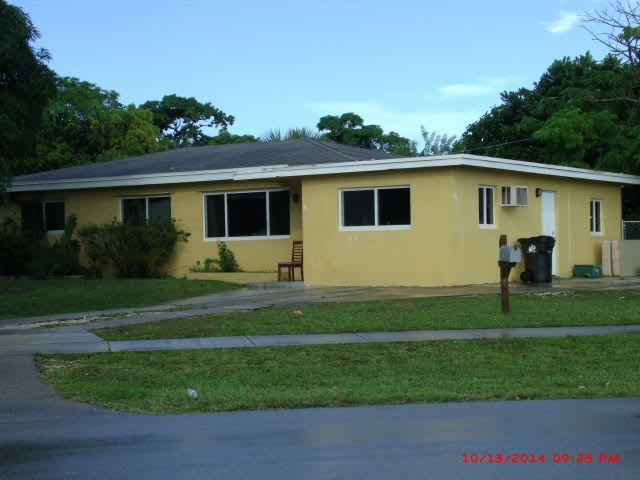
(496, 145)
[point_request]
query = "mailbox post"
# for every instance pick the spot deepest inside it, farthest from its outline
(508, 257)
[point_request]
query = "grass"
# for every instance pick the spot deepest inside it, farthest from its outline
(483, 311)
(341, 375)
(30, 298)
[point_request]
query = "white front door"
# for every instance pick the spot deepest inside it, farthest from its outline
(549, 222)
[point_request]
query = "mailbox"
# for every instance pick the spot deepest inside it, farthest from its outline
(510, 254)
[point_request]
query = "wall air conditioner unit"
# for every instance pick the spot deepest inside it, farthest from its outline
(515, 196)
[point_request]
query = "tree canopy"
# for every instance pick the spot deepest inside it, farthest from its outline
(181, 120)
(435, 143)
(26, 84)
(574, 115)
(296, 133)
(83, 123)
(349, 129)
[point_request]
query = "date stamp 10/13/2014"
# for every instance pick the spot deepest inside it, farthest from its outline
(553, 458)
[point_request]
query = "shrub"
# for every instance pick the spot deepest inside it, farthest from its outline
(226, 262)
(59, 258)
(25, 251)
(209, 265)
(226, 259)
(132, 250)
(17, 247)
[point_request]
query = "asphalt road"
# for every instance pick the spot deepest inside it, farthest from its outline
(43, 436)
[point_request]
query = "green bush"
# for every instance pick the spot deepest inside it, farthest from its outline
(226, 258)
(226, 262)
(25, 251)
(207, 266)
(17, 248)
(134, 251)
(59, 258)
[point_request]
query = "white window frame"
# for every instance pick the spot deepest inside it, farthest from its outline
(226, 215)
(44, 216)
(514, 203)
(146, 203)
(375, 227)
(483, 224)
(592, 219)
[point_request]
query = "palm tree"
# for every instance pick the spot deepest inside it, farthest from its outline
(299, 133)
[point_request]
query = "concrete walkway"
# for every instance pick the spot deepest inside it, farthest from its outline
(86, 342)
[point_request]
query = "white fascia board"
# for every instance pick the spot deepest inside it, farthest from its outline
(133, 180)
(282, 171)
(442, 161)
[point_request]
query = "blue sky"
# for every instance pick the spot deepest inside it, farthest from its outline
(280, 64)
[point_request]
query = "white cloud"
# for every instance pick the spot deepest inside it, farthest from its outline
(406, 123)
(565, 22)
(484, 86)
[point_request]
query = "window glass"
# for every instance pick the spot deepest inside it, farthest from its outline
(31, 216)
(159, 209)
(485, 205)
(279, 222)
(134, 211)
(215, 216)
(358, 208)
(54, 216)
(394, 206)
(247, 214)
(595, 221)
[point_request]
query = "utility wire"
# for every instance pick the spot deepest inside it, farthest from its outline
(496, 145)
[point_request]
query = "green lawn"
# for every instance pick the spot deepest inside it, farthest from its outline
(483, 311)
(338, 375)
(30, 298)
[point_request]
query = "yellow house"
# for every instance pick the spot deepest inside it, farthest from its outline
(366, 217)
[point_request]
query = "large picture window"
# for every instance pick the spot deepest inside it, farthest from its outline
(138, 210)
(485, 207)
(247, 214)
(375, 208)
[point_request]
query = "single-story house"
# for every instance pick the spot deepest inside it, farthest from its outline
(366, 217)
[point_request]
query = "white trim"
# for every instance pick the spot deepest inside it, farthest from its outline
(282, 171)
(373, 228)
(592, 222)
(224, 194)
(484, 188)
(376, 219)
(513, 192)
(244, 239)
(146, 203)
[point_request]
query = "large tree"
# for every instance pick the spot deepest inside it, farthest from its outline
(26, 84)
(181, 120)
(84, 123)
(349, 129)
(572, 116)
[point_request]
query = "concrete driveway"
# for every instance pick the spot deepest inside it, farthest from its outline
(43, 436)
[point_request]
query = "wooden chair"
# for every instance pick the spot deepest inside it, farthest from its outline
(296, 262)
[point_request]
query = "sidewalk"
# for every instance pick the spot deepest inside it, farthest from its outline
(87, 343)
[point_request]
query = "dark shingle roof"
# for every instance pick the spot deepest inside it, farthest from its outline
(216, 157)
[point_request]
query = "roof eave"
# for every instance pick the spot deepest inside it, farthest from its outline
(279, 171)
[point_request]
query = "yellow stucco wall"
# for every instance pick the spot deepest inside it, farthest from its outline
(102, 205)
(445, 245)
(574, 243)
